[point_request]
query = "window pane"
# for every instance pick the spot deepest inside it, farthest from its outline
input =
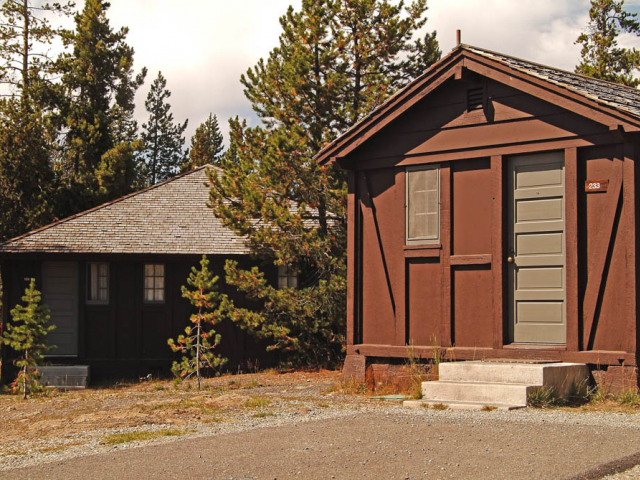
(423, 204)
(159, 282)
(293, 281)
(93, 281)
(148, 282)
(103, 295)
(160, 295)
(159, 270)
(282, 282)
(148, 270)
(148, 295)
(103, 269)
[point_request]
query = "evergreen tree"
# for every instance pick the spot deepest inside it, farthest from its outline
(196, 344)
(206, 145)
(26, 175)
(26, 334)
(601, 56)
(25, 36)
(97, 104)
(336, 61)
(164, 144)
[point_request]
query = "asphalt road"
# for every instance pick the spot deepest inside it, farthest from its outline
(367, 446)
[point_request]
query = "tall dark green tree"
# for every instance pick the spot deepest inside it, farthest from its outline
(26, 176)
(26, 35)
(164, 153)
(207, 145)
(601, 57)
(335, 62)
(97, 104)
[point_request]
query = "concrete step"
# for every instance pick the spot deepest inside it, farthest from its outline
(476, 392)
(65, 376)
(454, 405)
(557, 375)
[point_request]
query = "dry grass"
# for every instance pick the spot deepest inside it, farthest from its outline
(439, 406)
(488, 408)
(118, 438)
(257, 402)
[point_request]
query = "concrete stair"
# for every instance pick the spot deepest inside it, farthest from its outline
(478, 384)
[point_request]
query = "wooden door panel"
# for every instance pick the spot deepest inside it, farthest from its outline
(60, 294)
(537, 288)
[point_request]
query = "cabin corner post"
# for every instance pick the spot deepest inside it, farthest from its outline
(571, 242)
(446, 324)
(354, 365)
(400, 279)
(352, 252)
(630, 217)
(497, 242)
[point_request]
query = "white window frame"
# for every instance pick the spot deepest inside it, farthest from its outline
(155, 288)
(431, 240)
(94, 297)
(287, 277)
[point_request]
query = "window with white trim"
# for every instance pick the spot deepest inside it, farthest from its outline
(98, 283)
(154, 283)
(422, 205)
(287, 277)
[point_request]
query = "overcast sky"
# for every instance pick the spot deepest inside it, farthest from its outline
(203, 46)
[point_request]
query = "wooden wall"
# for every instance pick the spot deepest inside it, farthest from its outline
(129, 337)
(453, 294)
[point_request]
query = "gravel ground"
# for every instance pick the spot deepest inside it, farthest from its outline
(274, 426)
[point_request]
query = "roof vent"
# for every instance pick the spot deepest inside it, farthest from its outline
(475, 99)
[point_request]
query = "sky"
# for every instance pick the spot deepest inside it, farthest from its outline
(203, 46)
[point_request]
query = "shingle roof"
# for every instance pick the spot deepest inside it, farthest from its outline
(613, 94)
(171, 217)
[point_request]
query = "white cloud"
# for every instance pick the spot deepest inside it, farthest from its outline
(203, 46)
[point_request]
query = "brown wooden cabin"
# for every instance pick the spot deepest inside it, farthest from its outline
(493, 213)
(112, 278)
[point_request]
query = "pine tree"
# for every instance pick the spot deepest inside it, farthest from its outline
(196, 344)
(26, 334)
(336, 61)
(26, 175)
(601, 56)
(25, 36)
(164, 144)
(96, 104)
(206, 145)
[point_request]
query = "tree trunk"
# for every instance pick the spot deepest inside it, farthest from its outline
(25, 50)
(198, 351)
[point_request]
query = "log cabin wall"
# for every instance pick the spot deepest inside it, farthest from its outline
(454, 293)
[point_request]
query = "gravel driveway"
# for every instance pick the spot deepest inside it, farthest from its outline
(382, 442)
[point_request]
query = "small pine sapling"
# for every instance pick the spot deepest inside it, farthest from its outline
(26, 334)
(196, 344)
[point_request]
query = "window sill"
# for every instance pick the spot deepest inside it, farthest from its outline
(429, 246)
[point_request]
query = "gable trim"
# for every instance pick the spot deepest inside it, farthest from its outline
(451, 66)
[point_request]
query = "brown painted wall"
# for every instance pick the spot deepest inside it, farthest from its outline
(453, 293)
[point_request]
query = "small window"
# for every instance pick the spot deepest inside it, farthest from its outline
(98, 283)
(287, 277)
(154, 283)
(423, 205)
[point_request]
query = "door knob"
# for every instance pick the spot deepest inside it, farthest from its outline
(510, 259)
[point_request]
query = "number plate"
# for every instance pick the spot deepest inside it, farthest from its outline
(596, 186)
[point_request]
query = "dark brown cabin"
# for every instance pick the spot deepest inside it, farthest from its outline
(493, 213)
(112, 278)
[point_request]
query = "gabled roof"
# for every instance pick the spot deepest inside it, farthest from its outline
(170, 217)
(594, 98)
(613, 94)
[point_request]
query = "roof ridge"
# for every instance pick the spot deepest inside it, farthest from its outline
(106, 204)
(542, 65)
